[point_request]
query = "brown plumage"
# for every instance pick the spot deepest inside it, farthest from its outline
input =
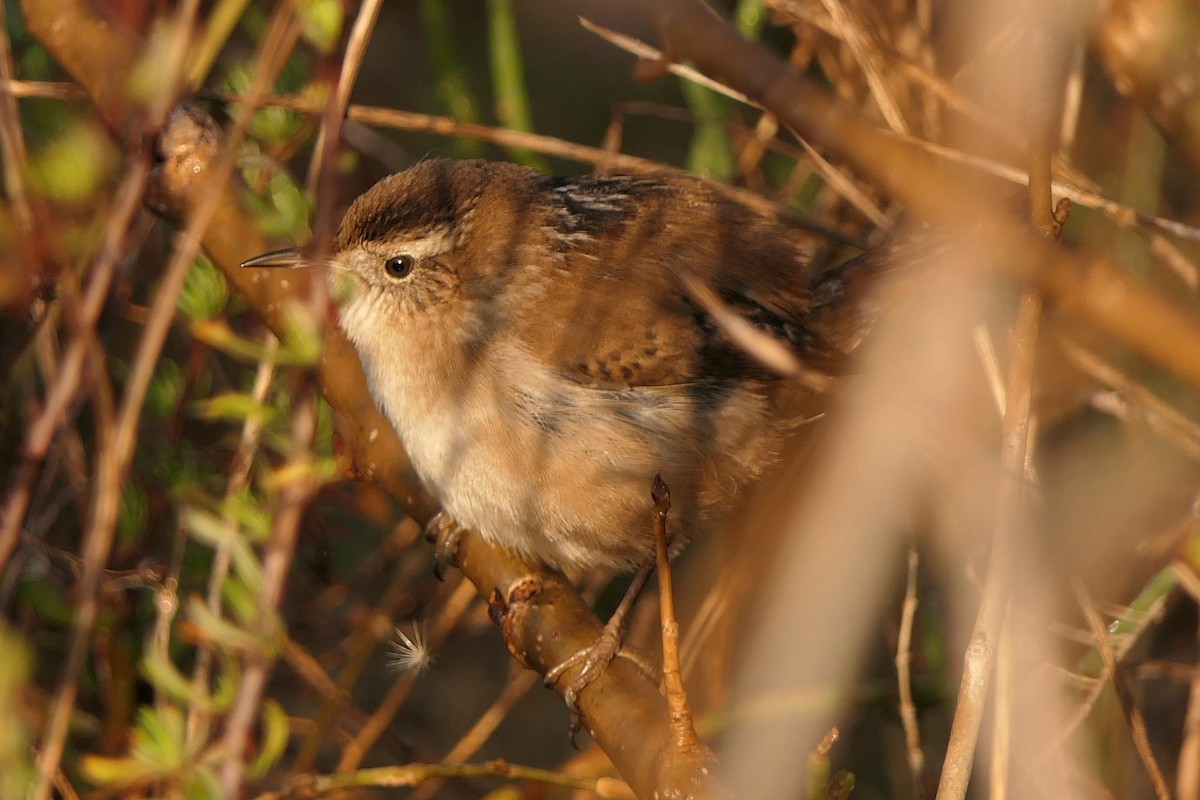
(530, 340)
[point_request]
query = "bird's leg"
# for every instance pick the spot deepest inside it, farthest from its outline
(444, 532)
(599, 655)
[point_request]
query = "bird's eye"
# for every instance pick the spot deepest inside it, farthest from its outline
(399, 266)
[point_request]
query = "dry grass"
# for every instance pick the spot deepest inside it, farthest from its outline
(977, 562)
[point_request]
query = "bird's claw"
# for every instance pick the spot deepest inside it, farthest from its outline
(444, 533)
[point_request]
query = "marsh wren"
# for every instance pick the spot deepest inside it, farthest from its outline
(535, 344)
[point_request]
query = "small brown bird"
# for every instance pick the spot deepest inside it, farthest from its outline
(544, 346)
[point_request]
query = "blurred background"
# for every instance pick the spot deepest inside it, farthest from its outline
(156, 438)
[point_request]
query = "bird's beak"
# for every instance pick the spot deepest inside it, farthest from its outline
(288, 257)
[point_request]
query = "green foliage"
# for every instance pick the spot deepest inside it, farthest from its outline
(320, 22)
(133, 513)
(205, 293)
(275, 738)
(16, 767)
(179, 688)
(43, 595)
(271, 125)
(712, 146)
(74, 164)
(149, 79)
(166, 389)
(157, 752)
(234, 406)
(219, 533)
(508, 78)
(282, 210)
(453, 89)
(750, 16)
(302, 336)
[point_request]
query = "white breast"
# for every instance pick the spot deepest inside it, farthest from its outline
(540, 464)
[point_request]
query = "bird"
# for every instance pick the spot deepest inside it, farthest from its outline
(544, 346)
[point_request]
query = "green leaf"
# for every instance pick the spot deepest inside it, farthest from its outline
(320, 22)
(16, 764)
(290, 208)
(268, 627)
(242, 601)
(301, 471)
(158, 740)
(217, 334)
(274, 126)
(453, 88)
(107, 771)
(216, 532)
(205, 292)
(166, 389)
(223, 632)
(72, 167)
(301, 336)
(712, 147)
(250, 514)
(157, 750)
(228, 681)
(749, 17)
(275, 738)
(234, 406)
(508, 78)
(202, 784)
(163, 674)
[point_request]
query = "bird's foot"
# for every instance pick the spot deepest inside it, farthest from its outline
(444, 532)
(592, 662)
(596, 657)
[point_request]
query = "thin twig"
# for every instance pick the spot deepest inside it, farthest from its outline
(686, 757)
(1124, 638)
(541, 143)
(277, 560)
(354, 752)
(361, 645)
(414, 774)
(908, 709)
(1187, 773)
(968, 714)
(849, 29)
(12, 142)
(44, 89)
(356, 48)
(243, 460)
(1133, 714)
(836, 177)
(1002, 724)
(520, 681)
(1168, 422)
(65, 385)
(115, 450)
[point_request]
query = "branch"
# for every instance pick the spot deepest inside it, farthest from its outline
(1092, 287)
(622, 710)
